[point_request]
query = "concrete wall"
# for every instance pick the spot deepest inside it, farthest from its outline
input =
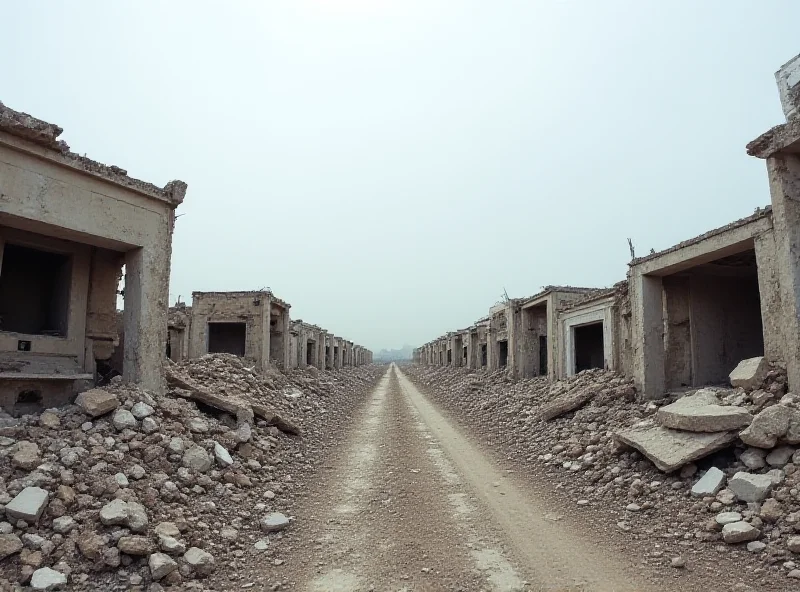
(252, 308)
(55, 193)
(602, 311)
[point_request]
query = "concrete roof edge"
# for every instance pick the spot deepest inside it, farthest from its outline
(44, 134)
(759, 213)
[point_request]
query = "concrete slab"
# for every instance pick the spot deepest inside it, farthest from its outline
(671, 449)
(702, 412)
(750, 373)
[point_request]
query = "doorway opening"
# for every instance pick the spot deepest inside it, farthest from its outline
(502, 350)
(227, 338)
(588, 340)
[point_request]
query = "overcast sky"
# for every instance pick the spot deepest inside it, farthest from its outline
(390, 167)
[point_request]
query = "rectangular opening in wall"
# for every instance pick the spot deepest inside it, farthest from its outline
(542, 355)
(227, 338)
(588, 343)
(712, 320)
(484, 355)
(502, 351)
(464, 356)
(449, 356)
(34, 291)
(311, 351)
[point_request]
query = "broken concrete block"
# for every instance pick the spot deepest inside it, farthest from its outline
(739, 532)
(768, 426)
(702, 413)
(28, 505)
(96, 402)
(274, 522)
(780, 457)
(671, 449)
(709, 484)
(750, 373)
(753, 458)
(749, 487)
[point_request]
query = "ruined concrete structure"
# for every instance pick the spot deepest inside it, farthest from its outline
(686, 316)
(68, 225)
(257, 326)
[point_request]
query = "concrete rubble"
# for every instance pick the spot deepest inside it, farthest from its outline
(109, 505)
(733, 495)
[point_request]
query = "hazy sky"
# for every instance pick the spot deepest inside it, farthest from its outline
(389, 168)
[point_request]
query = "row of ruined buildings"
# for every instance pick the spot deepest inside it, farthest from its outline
(683, 317)
(70, 228)
(256, 325)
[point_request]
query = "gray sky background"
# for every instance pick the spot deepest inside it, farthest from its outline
(390, 167)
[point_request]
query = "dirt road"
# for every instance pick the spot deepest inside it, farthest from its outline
(409, 503)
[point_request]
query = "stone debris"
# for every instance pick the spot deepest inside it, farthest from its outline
(702, 412)
(128, 488)
(749, 374)
(97, 402)
(45, 578)
(650, 485)
(274, 522)
(28, 504)
(709, 484)
(161, 565)
(671, 449)
(739, 532)
(749, 487)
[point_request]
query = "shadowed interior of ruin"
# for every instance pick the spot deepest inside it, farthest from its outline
(588, 341)
(34, 291)
(276, 337)
(712, 320)
(311, 352)
(502, 352)
(228, 338)
(483, 355)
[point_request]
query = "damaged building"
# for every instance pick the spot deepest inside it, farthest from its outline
(687, 315)
(68, 227)
(253, 325)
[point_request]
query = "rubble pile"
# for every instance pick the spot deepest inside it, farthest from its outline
(127, 490)
(713, 468)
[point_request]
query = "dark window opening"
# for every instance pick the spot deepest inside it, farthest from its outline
(449, 356)
(227, 338)
(34, 291)
(589, 346)
(542, 355)
(503, 353)
(27, 403)
(484, 355)
(464, 355)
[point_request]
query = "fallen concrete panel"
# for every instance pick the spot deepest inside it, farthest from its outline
(703, 414)
(671, 449)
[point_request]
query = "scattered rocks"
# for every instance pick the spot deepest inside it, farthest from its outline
(780, 456)
(26, 455)
(769, 425)
(754, 458)
(222, 455)
(124, 419)
(135, 545)
(724, 518)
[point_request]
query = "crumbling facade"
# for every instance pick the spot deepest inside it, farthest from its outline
(68, 225)
(685, 316)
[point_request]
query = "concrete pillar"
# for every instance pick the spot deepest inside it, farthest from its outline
(330, 357)
(647, 335)
(145, 316)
